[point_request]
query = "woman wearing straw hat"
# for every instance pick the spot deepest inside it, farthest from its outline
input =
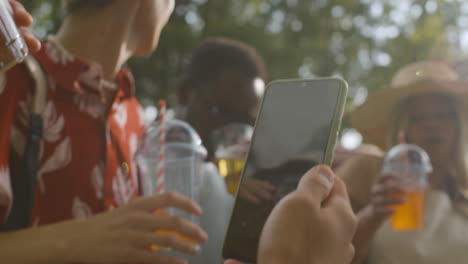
(425, 105)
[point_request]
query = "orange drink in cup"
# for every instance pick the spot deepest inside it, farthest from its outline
(410, 214)
(412, 164)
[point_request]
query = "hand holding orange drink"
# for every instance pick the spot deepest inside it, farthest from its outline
(405, 171)
(170, 160)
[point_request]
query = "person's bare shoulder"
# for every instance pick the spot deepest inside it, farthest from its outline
(359, 171)
(371, 150)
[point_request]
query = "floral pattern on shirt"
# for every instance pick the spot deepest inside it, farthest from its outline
(80, 209)
(58, 54)
(90, 104)
(97, 179)
(123, 186)
(53, 123)
(5, 190)
(60, 158)
(2, 82)
(86, 152)
(120, 115)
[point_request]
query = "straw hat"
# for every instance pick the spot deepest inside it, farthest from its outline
(373, 119)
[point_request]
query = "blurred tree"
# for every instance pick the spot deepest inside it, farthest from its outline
(364, 41)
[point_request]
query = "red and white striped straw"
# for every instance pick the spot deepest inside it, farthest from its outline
(161, 144)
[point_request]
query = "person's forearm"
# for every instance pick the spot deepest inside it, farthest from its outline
(33, 246)
(368, 224)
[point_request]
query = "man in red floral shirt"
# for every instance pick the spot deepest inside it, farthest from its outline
(92, 127)
(92, 124)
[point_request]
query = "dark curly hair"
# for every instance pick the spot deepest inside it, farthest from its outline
(216, 55)
(71, 6)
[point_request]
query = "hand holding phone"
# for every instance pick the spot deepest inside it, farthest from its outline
(314, 224)
(296, 129)
(310, 225)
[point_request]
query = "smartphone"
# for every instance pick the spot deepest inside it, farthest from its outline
(297, 128)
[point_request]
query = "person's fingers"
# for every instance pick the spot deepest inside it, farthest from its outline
(262, 191)
(388, 177)
(167, 240)
(179, 225)
(255, 184)
(249, 197)
(264, 195)
(266, 185)
(387, 189)
(342, 211)
(338, 192)
(339, 206)
(23, 19)
(384, 211)
(386, 201)
(163, 221)
(165, 200)
(160, 220)
(20, 15)
(31, 41)
(317, 183)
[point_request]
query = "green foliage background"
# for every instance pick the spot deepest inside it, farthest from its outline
(364, 41)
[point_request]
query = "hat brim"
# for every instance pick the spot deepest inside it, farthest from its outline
(373, 119)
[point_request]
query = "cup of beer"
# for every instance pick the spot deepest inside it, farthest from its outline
(231, 144)
(13, 49)
(413, 166)
(171, 159)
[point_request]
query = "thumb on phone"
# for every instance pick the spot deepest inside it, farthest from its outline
(317, 183)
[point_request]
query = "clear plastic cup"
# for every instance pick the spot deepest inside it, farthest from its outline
(184, 156)
(231, 144)
(413, 166)
(13, 49)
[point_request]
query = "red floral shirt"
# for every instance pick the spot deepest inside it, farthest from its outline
(86, 153)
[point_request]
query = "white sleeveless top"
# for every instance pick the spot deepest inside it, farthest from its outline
(444, 238)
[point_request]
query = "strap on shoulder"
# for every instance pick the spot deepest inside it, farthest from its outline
(40, 81)
(24, 185)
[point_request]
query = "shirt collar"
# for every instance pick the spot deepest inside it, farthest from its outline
(78, 76)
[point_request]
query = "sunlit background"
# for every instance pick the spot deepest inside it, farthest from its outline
(362, 41)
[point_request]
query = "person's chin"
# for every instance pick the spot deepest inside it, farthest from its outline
(147, 48)
(143, 52)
